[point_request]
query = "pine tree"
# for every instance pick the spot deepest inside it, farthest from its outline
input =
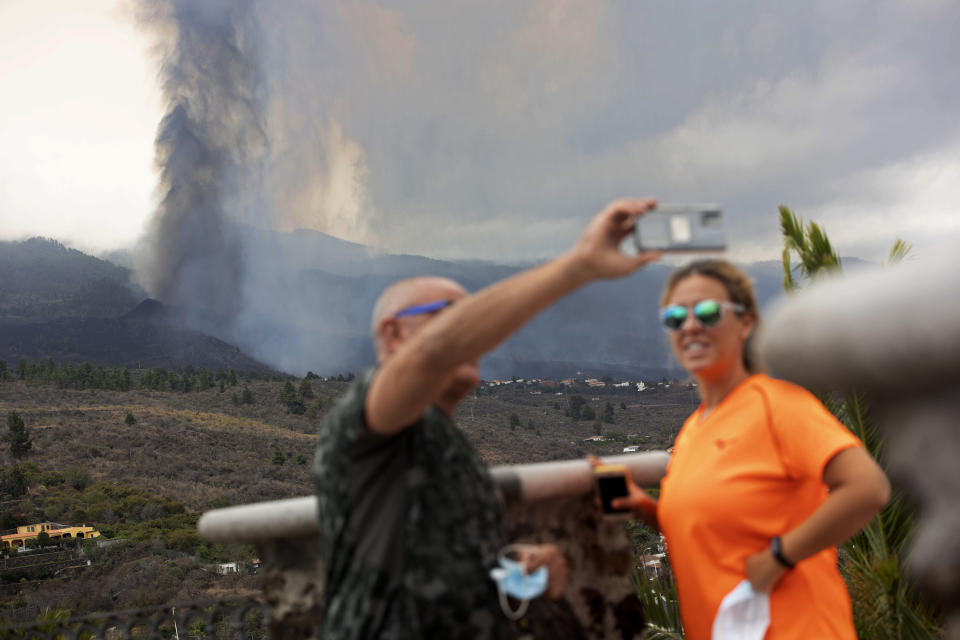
(306, 391)
(17, 436)
(292, 400)
(577, 403)
(15, 483)
(608, 413)
(287, 393)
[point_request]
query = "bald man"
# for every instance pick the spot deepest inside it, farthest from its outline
(411, 522)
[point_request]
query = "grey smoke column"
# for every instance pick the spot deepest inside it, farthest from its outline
(248, 146)
(211, 131)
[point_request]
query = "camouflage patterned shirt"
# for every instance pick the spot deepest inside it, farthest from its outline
(410, 526)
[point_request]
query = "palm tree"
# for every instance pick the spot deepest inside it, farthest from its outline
(658, 593)
(885, 605)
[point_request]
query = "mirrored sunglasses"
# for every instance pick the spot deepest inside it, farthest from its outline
(707, 312)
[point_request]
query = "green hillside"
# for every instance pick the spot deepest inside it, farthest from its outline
(42, 279)
(142, 465)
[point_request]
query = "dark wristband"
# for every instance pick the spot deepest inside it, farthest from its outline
(776, 547)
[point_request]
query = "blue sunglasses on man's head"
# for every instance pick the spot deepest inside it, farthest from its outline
(427, 307)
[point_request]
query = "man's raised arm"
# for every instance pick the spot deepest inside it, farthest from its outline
(415, 375)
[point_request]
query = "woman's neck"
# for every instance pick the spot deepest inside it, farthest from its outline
(714, 389)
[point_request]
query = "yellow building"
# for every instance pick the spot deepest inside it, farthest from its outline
(54, 530)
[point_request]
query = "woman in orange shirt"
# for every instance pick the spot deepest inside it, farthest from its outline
(763, 483)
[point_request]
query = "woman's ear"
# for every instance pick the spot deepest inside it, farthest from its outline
(748, 322)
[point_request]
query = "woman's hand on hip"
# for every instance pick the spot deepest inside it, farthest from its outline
(763, 570)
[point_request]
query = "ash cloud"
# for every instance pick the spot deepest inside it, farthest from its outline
(243, 149)
(193, 256)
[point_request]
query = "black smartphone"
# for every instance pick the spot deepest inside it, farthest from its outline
(611, 482)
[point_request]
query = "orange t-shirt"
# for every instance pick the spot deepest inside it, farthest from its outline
(752, 470)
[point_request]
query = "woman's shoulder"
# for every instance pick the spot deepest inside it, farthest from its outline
(778, 391)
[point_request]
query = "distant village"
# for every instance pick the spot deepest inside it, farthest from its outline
(588, 383)
(551, 384)
(537, 386)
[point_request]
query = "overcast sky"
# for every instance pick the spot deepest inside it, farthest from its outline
(495, 131)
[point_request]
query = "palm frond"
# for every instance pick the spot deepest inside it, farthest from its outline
(661, 607)
(789, 283)
(899, 251)
(792, 229)
(820, 257)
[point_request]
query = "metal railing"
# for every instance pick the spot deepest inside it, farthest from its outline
(550, 502)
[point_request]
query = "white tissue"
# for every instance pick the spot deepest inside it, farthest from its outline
(744, 614)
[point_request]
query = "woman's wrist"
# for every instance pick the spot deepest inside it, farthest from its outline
(764, 571)
(647, 512)
(776, 548)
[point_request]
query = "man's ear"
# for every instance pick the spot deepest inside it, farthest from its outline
(390, 335)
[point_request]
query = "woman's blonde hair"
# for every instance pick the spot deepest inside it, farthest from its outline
(739, 287)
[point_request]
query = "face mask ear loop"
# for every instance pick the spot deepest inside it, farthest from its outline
(504, 603)
(507, 611)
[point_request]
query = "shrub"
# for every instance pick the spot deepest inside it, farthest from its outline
(77, 477)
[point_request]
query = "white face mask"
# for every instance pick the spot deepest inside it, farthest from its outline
(512, 579)
(744, 614)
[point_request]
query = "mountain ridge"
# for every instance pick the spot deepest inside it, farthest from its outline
(308, 310)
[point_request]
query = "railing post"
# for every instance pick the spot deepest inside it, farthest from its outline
(293, 585)
(892, 334)
(285, 533)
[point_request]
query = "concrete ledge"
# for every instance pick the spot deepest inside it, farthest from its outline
(892, 329)
(297, 517)
(525, 482)
(291, 518)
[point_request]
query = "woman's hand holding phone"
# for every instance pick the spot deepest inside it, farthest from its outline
(641, 503)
